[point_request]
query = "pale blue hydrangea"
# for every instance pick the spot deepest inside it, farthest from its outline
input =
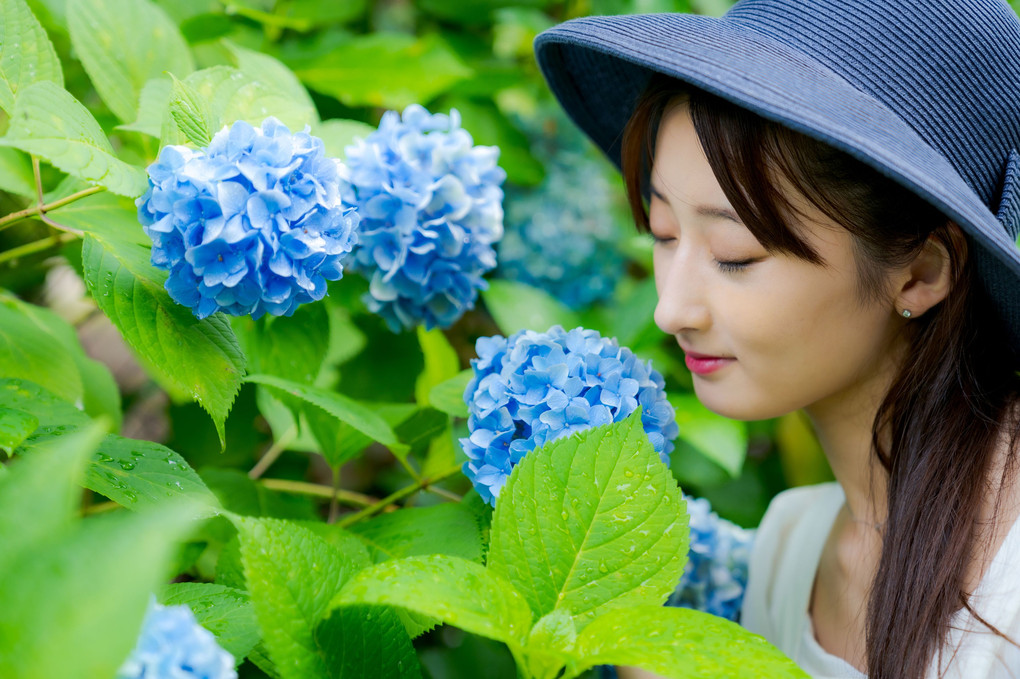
(431, 207)
(535, 387)
(561, 237)
(715, 575)
(251, 224)
(172, 645)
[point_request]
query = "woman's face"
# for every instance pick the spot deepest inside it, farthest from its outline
(764, 334)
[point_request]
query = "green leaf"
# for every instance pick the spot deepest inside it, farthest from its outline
(679, 643)
(48, 409)
(152, 107)
(441, 363)
(100, 394)
(292, 576)
(235, 95)
(338, 134)
(345, 409)
(447, 528)
(107, 217)
(37, 499)
(366, 641)
(720, 439)
(190, 113)
(390, 70)
(27, 55)
(274, 75)
(48, 122)
(456, 591)
(27, 351)
(200, 358)
(87, 592)
(124, 43)
(224, 611)
(339, 442)
(551, 638)
(591, 522)
(15, 427)
(516, 306)
(448, 395)
(16, 173)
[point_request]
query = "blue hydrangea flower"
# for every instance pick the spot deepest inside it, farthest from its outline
(536, 387)
(561, 237)
(172, 645)
(715, 575)
(431, 209)
(252, 224)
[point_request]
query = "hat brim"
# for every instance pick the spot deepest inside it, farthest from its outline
(598, 66)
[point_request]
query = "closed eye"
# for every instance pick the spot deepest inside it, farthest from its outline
(735, 265)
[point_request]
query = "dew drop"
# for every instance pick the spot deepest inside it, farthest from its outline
(564, 516)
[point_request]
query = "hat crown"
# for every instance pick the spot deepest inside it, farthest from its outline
(949, 69)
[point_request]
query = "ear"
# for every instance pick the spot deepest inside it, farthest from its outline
(931, 275)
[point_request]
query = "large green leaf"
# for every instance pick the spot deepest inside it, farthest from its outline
(105, 216)
(517, 306)
(456, 591)
(124, 43)
(84, 589)
(720, 439)
(591, 522)
(347, 410)
(201, 358)
(448, 395)
(27, 351)
(50, 123)
(224, 611)
(26, 53)
(385, 69)
(292, 576)
(679, 643)
(49, 410)
(37, 499)
(366, 641)
(448, 528)
(274, 75)
(16, 173)
(100, 394)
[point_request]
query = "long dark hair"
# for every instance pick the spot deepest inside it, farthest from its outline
(952, 397)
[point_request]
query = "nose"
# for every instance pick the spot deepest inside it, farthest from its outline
(682, 305)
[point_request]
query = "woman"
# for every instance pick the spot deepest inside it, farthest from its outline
(834, 192)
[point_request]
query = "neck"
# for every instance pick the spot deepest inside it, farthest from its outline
(843, 423)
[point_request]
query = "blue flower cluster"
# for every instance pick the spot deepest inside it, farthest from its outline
(715, 575)
(252, 224)
(561, 237)
(536, 387)
(172, 645)
(431, 207)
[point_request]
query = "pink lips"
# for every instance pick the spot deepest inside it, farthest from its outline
(700, 364)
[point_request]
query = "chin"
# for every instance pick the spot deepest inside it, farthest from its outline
(740, 407)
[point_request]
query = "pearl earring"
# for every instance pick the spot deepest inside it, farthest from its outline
(906, 313)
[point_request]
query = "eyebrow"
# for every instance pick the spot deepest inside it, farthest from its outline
(703, 210)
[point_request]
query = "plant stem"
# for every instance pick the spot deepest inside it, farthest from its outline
(13, 217)
(303, 488)
(395, 497)
(35, 246)
(333, 507)
(273, 453)
(442, 492)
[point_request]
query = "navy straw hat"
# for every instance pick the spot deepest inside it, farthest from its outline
(925, 91)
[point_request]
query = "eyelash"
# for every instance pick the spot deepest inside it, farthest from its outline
(734, 266)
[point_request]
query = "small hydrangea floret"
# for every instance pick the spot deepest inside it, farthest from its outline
(431, 207)
(172, 645)
(715, 575)
(536, 387)
(251, 224)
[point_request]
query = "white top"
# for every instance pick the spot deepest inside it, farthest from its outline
(784, 561)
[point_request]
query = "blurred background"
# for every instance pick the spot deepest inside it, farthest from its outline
(570, 254)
